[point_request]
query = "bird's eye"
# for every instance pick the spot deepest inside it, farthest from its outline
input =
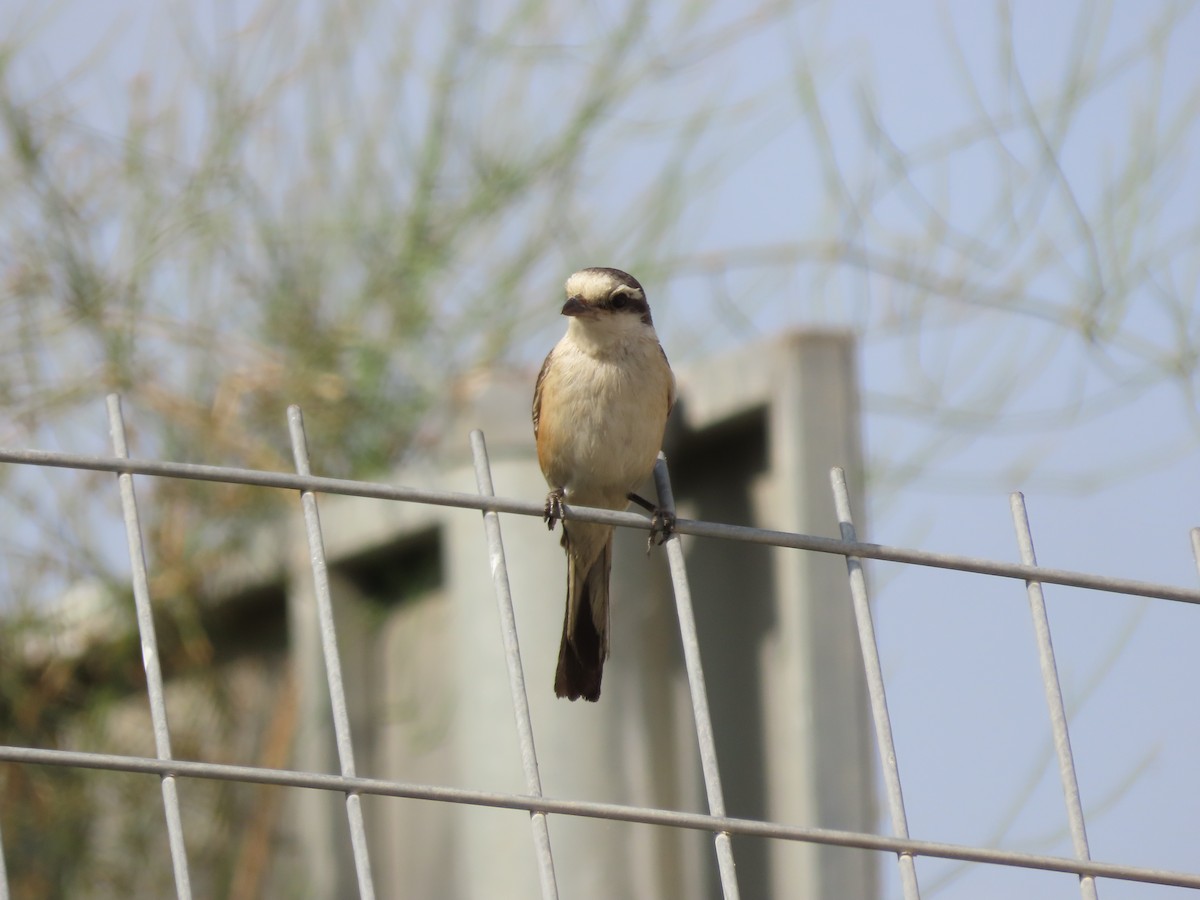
(619, 301)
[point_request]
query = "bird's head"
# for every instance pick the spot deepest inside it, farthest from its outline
(606, 302)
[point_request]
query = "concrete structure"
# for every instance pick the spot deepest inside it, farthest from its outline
(750, 443)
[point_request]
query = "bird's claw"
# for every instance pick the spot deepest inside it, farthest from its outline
(662, 526)
(554, 508)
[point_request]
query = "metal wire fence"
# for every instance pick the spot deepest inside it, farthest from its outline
(715, 821)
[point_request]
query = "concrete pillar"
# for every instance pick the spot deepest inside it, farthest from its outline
(751, 443)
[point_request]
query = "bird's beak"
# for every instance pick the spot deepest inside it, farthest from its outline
(574, 307)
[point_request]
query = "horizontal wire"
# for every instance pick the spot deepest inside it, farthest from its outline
(593, 810)
(745, 533)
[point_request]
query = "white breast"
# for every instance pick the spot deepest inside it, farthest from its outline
(608, 417)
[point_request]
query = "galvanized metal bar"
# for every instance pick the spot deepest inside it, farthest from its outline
(329, 649)
(516, 671)
(1054, 698)
(608, 811)
(150, 659)
(695, 672)
(875, 686)
(716, 530)
(3, 872)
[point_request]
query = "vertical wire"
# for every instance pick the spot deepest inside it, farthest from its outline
(149, 641)
(3, 872)
(329, 648)
(516, 671)
(1196, 548)
(875, 687)
(1054, 698)
(695, 672)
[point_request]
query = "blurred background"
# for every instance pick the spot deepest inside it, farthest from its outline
(218, 209)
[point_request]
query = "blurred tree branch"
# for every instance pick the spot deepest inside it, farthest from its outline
(273, 228)
(1058, 287)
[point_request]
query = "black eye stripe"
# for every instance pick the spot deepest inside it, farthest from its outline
(622, 301)
(636, 305)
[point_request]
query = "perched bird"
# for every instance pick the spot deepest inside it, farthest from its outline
(599, 411)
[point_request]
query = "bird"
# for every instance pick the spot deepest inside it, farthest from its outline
(600, 408)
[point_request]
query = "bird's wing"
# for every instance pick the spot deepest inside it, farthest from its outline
(670, 388)
(537, 393)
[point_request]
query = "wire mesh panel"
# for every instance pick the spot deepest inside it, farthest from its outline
(542, 809)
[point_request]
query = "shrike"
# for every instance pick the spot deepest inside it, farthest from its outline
(599, 411)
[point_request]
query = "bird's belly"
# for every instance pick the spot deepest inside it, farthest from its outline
(606, 436)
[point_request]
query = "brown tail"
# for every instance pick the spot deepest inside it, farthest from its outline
(584, 644)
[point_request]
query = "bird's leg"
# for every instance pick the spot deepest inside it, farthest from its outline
(554, 508)
(662, 521)
(662, 526)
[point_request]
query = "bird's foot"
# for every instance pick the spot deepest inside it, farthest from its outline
(662, 521)
(662, 526)
(554, 508)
